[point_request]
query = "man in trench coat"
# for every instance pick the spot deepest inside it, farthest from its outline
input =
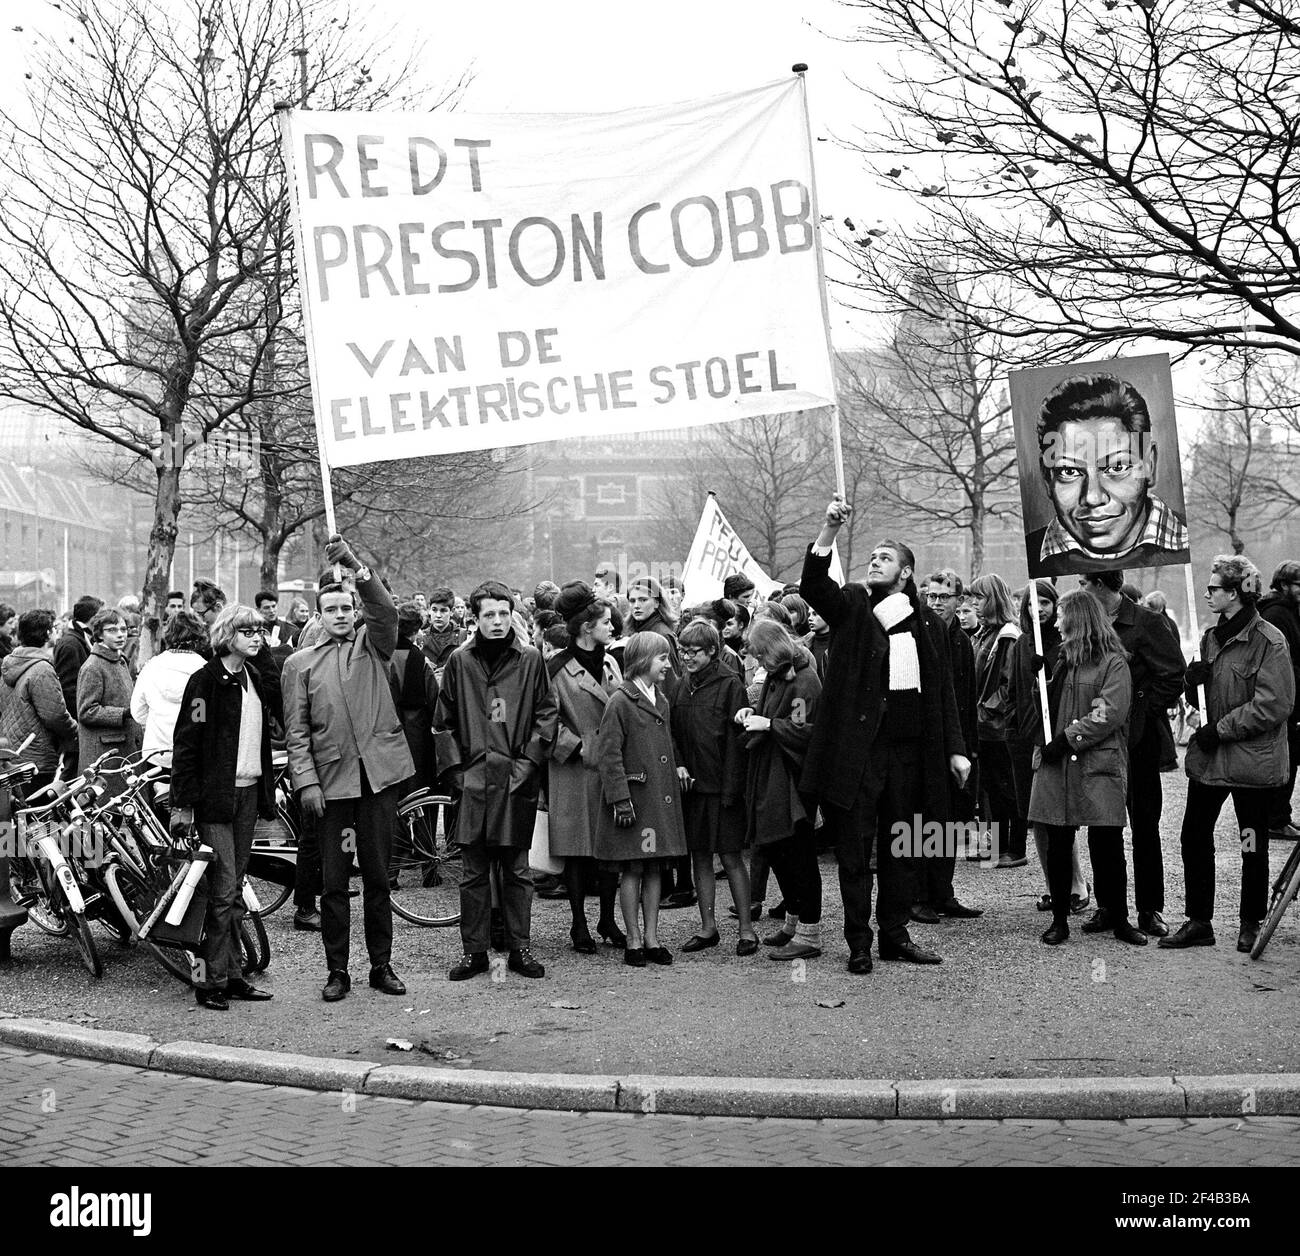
(348, 758)
(493, 726)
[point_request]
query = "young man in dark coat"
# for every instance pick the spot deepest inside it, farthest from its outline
(493, 726)
(1157, 667)
(71, 651)
(888, 734)
(348, 757)
(1281, 608)
(935, 894)
(443, 635)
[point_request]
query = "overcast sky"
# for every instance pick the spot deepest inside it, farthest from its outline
(577, 56)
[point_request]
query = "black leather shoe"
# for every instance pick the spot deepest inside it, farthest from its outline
(337, 986)
(908, 951)
(612, 935)
(700, 943)
(523, 963)
(468, 966)
(634, 956)
(1246, 938)
(1125, 932)
(924, 914)
(307, 921)
(215, 999)
(860, 963)
(582, 940)
(1189, 933)
(1055, 933)
(778, 938)
(1152, 923)
(385, 979)
(746, 946)
(1101, 921)
(777, 912)
(959, 911)
(681, 898)
(245, 993)
(658, 955)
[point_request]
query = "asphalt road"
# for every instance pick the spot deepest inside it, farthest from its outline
(1000, 1005)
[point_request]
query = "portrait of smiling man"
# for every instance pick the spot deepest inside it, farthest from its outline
(1098, 456)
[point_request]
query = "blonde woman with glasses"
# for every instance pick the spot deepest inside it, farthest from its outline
(221, 779)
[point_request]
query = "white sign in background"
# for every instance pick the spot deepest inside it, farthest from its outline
(476, 281)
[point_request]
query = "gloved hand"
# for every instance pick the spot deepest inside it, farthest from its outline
(1207, 738)
(312, 801)
(182, 820)
(340, 552)
(1056, 749)
(1198, 673)
(1038, 660)
(624, 814)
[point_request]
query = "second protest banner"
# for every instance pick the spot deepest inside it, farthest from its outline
(476, 281)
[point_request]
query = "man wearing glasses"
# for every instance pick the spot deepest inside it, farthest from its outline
(935, 895)
(1281, 608)
(1241, 750)
(348, 756)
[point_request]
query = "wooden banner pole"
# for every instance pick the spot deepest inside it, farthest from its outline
(837, 443)
(1195, 625)
(1032, 594)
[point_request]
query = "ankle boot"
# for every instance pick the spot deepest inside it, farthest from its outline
(1058, 931)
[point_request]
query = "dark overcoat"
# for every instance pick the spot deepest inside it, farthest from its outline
(492, 730)
(573, 776)
(1090, 785)
(790, 699)
(857, 682)
(635, 752)
(205, 746)
(1156, 663)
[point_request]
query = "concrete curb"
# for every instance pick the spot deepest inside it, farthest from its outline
(1038, 1098)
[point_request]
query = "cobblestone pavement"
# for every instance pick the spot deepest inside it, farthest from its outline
(69, 1112)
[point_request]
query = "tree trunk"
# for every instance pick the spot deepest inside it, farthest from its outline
(162, 548)
(272, 544)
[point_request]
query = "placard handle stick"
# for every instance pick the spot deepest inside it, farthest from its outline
(837, 443)
(1196, 639)
(1041, 672)
(282, 112)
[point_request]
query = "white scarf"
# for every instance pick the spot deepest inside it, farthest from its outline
(904, 665)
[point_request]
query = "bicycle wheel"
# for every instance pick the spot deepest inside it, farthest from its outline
(1285, 889)
(424, 880)
(28, 889)
(256, 945)
(271, 895)
(135, 900)
(79, 931)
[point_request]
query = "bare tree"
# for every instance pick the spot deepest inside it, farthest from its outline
(1243, 459)
(1130, 169)
(930, 414)
(143, 246)
(761, 470)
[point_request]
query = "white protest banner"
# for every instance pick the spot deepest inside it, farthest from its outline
(717, 552)
(476, 281)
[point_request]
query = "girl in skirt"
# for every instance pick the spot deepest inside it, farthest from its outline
(641, 822)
